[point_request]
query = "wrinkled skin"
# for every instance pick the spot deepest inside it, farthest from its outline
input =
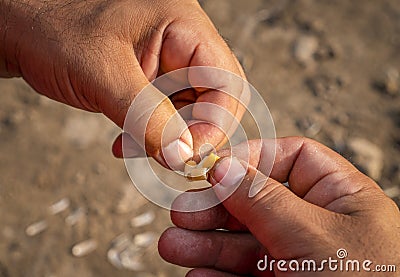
(98, 55)
(330, 205)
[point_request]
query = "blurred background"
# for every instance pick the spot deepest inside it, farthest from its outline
(328, 70)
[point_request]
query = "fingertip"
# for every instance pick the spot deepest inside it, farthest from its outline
(185, 215)
(125, 146)
(185, 247)
(117, 147)
(165, 243)
(205, 132)
(156, 126)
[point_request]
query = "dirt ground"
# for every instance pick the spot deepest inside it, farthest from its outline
(327, 69)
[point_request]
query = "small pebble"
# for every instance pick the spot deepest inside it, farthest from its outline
(84, 248)
(389, 83)
(304, 49)
(59, 206)
(392, 81)
(123, 253)
(36, 228)
(367, 156)
(143, 219)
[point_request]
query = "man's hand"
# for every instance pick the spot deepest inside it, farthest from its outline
(98, 55)
(329, 205)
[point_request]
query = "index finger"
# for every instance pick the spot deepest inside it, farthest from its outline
(204, 47)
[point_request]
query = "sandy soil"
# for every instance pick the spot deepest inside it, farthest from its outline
(327, 69)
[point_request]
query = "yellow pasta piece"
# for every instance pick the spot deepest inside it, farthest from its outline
(209, 161)
(198, 172)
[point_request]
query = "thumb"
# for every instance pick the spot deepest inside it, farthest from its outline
(275, 216)
(146, 114)
(153, 122)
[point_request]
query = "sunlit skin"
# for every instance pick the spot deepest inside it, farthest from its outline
(98, 55)
(330, 205)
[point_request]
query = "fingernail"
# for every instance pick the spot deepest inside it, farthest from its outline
(176, 154)
(259, 182)
(229, 172)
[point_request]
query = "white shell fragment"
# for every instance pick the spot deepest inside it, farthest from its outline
(131, 260)
(144, 239)
(84, 248)
(125, 254)
(143, 219)
(75, 216)
(113, 258)
(59, 206)
(36, 228)
(118, 245)
(198, 172)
